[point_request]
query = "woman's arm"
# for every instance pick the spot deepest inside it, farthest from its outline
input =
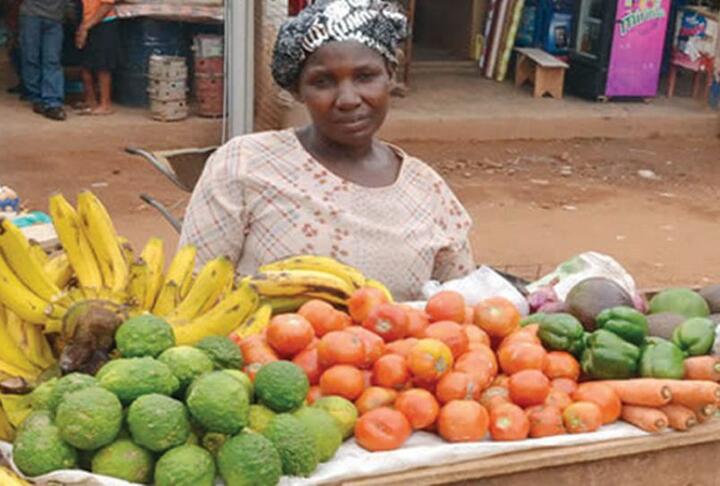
(454, 261)
(216, 220)
(82, 31)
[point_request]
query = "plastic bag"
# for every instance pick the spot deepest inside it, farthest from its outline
(479, 285)
(581, 267)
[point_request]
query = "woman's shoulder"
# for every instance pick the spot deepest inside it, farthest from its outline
(421, 174)
(254, 151)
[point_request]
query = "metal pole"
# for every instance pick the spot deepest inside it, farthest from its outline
(240, 79)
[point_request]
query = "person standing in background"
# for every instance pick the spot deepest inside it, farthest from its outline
(99, 38)
(12, 17)
(41, 35)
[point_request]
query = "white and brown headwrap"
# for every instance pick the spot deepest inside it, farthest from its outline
(377, 24)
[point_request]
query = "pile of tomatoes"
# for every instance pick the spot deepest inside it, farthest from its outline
(461, 372)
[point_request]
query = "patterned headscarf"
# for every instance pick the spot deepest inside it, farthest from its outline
(377, 24)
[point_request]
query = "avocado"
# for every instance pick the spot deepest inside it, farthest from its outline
(89, 418)
(259, 418)
(123, 459)
(711, 294)
(186, 363)
(245, 380)
(38, 447)
(342, 410)
(281, 385)
(249, 460)
(680, 301)
(186, 465)
(158, 422)
(294, 443)
(324, 430)
(66, 384)
(130, 378)
(144, 335)
(219, 402)
(663, 324)
(223, 352)
(40, 396)
(591, 296)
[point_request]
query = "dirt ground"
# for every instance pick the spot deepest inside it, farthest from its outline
(534, 203)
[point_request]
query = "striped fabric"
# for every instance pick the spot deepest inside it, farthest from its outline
(263, 197)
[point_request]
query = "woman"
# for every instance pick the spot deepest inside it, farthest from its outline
(332, 188)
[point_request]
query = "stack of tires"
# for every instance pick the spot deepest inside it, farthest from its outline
(144, 37)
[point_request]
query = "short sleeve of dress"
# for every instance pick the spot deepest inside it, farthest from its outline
(455, 258)
(216, 217)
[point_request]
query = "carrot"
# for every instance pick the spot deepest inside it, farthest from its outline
(644, 392)
(705, 413)
(702, 368)
(694, 393)
(679, 417)
(645, 418)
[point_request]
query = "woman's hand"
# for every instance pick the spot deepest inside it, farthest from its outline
(81, 36)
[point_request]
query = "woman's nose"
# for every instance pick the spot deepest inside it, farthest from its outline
(348, 97)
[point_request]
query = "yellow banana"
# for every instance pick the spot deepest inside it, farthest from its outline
(28, 339)
(139, 280)
(7, 431)
(276, 283)
(186, 286)
(10, 352)
(17, 297)
(16, 249)
(211, 282)
(58, 269)
(221, 319)
(73, 240)
(9, 478)
(180, 270)
(17, 407)
(100, 231)
(327, 297)
(256, 323)
(351, 275)
(38, 253)
(379, 285)
(127, 249)
(154, 256)
(282, 305)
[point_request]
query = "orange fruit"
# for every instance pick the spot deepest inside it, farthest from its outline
(545, 421)
(401, 347)
(463, 421)
(559, 399)
(508, 422)
(480, 363)
(446, 305)
(493, 396)
(288, 334)
(374, 344)
(501, 380)
(308, 361)
(476, 336)
(457, 385)
(560, 364)
(603, 396)
(343, 380)
(382, 429)
(313, 394)
(451, 333)
(389, 321)
(419, 406)
(375, 397)
(429, 360)
(528, 388)
(323, 317)
(469, 315)
(522, 356)
(418, 321)
(391, 371)
(497, 316)
(256, 350)
(564, 384)
(363, 301)
(341, 347)
(581, 417)
(526, 334)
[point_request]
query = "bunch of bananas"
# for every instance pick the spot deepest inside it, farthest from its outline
(288, 283)
(9, 478)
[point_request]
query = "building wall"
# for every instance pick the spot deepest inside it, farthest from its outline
(448, 24)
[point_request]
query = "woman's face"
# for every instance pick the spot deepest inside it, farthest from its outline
(346, 88)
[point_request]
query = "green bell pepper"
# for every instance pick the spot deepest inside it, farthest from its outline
(625, 322)
(609, 357)
(662, 359)
(695, 336)
(561, 332)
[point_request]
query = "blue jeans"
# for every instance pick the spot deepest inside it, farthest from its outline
(41, 43)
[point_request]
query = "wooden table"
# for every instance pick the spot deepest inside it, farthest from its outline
(544, 71)
(678, 458)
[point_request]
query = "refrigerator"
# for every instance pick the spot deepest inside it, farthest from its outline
(616, 49)
(546, 24)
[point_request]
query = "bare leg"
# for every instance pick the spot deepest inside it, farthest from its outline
(89, 85)
(105, 81)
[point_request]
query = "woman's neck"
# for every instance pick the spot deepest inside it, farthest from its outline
(325, 149)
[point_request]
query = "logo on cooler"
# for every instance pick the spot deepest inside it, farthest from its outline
(640, 12)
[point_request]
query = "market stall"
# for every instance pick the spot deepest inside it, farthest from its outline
(307, 372)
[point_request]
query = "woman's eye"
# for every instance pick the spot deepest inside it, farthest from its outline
(321, 82)
(365, 76)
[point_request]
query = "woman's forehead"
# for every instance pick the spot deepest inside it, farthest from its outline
(343, 52)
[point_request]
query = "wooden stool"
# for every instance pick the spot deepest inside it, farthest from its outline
(545, 72)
